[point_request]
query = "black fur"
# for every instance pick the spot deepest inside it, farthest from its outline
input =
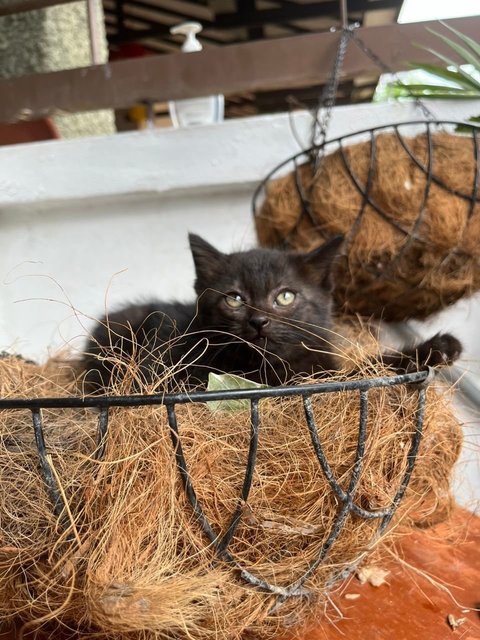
(260, 339)
(440, 351)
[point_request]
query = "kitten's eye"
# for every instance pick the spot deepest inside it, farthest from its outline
(234, 300)
(285, 298)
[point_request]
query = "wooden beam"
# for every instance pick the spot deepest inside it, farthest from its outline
(159, 31)
(154, 27)
(137, 35)
(296, 61)
(259, 17)
(200, 14)
(245, 9)
(119, 15)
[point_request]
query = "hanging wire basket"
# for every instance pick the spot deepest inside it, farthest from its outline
(220, 540)
(405, 196)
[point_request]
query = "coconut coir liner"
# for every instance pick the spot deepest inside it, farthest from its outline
(412, 249)
(134, 562)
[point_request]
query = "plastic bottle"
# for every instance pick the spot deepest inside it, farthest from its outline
(194, 111)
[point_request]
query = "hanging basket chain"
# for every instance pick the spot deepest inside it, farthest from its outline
(323, 111)
(327, 100)
(429, 115)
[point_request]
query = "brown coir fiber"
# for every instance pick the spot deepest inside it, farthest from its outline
(419, 257)
(134, 562)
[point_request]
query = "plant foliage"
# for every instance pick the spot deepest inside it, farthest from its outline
(450, 80)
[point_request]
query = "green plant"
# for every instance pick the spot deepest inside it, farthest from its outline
(450, 80)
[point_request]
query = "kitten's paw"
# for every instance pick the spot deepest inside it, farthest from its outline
(440, 351)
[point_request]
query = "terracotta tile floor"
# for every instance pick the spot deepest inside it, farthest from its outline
(408, 606)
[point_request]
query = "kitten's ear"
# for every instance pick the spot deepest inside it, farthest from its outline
(207, 259)
(320, 261)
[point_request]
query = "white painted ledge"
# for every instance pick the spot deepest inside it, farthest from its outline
(152, 162)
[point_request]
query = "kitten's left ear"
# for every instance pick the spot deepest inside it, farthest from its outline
(207, 259)
(321, 260)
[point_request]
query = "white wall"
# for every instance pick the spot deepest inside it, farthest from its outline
(87, 221)
(84, 255)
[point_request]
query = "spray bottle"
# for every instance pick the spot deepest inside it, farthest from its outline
(194, 111)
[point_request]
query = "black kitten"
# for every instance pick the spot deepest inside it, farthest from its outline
(263, 314)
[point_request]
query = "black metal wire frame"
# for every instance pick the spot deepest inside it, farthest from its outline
(220, 541)
(307, 156)
(323, 110)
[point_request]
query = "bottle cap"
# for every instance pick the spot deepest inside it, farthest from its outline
(189, 30)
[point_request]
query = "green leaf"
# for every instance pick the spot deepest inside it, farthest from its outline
(461, 82)
(461, 128)
(447, 74)
(434, 91)
(448, 61)
(474, 46)
(437, 54)
(464, 53)
(225, 382)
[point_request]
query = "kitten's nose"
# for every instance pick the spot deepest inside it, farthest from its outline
(260, 323)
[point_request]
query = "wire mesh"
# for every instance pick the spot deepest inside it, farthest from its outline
(367, 202)
(304, 158)
(220, 540)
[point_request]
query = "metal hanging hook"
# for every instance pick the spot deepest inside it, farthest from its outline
(344, 13)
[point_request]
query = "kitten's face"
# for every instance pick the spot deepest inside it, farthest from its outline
(269, 298)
